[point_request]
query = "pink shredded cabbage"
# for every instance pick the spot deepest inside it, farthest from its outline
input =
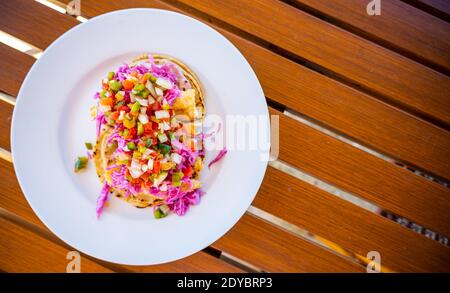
(100, 121)
(102, 198)
(171, 95)
(219, 156)
(178, 201)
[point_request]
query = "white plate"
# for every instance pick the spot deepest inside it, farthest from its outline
(51, 122)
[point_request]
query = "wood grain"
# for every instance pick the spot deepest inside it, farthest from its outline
(401, 25)
(399, 79)
(267, 84)
(440, 5)
(262, 244)
(360, 116)
(14, 66)
(6, 111)
(358, 172)
(13, 200)
(318, 212)
(349, 226)
(22, 251)
(39, 28)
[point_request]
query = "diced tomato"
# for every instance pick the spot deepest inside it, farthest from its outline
(156, 107)
(154, 125)
(134, 73)
(127, 84)
(124, 108)
(156, 166)
(148, 130)
(105, 85)
(145, 176)
(114, 115)
(132, 132)
(188, 171)
(107, 102)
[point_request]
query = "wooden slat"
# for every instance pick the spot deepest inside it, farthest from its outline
(358, 172)
(399, 24)
(274, 250)
(358, 115)
(40, 28)
(6, 111)
(408, 83)
(6, 137)
(252, 64)
(349, 226)
(14, 66)
(24, 251)
(14, 201)
(326, 221)
(440, 5)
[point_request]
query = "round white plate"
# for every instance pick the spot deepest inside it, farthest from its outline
(51, 123)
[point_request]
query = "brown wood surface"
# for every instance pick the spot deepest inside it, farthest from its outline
(262, 244)
(383, 183)
(358, 172)
(321, 214)
(23, 251)
(6, 111)
(387, 129)
(14, 66)
(5, 139)
(401, 25)
(316, 211)
(358, 115)
(399, 79)
(14, 201)
(39, 28)
(349, 226)
(440, 5)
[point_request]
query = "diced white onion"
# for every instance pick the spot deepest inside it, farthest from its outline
(162, 137)
(164, 83)
(150, 164)
(142, 102)
(176, 158)
(105, 109)
(163, 187)
(135, 173)
(166, 126)
(150, 87)
(162, 114)
(133, 97)
(147, 153)
(121, 114)
(143, 110)
(144, 168)
(135, 164)
(143, 118)
(159, 92)
(150, 100)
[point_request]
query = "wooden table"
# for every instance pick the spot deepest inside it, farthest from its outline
(363, 104)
